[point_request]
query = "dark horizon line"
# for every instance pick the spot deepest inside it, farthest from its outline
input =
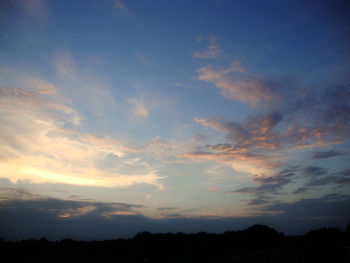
(255, 229)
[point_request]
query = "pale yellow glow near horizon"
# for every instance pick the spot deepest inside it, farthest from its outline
(16, 174)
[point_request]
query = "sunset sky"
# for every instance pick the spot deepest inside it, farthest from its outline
(118, 116)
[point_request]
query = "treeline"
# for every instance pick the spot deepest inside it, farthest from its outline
(258, 243)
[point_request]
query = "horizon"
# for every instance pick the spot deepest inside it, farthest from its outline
(255, 229)
(120, 116)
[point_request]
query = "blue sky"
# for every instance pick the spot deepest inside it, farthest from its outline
(174, 115)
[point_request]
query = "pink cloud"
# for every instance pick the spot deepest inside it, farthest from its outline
(244, 87)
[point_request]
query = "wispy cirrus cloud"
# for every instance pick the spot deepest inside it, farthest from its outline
(142, 58)
(140, 109)
(142, 105)
(42, 142)
(82, 85)
(327, 154)
(34, 7)
(314, 171)
(116, 4)
(211, 51)
(269, 184)
(243, 86)
(319, 177)
(119, 5)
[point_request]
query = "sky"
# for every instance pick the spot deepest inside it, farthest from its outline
(120, 116)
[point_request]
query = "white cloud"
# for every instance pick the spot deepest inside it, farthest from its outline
(41, 141)
(140, 111)
(82, 85)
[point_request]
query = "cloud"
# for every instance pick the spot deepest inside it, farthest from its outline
(59, 208)
(43, 95)
(312, 119)
(56, 218)
(118, 5)
(270, 184)
(326, 154)
(81, 84)
(142, 105)
(249, 146)
(254, 132)
(345, 172)
(10, 194)
(244, 87)
(318, 176)
(167, 208)
(331, 205)
(211, 52)
(257, 201)
(41, 141)
(34, 7)
(143, 59)
(85, 220)
(140, 111)
(265, 143)
(340, 180)
(314, 171)
(164, 150)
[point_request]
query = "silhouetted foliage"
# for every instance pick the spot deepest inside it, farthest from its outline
(257, 243)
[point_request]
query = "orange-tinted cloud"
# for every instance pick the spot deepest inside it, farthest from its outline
(244, 87)
(41, 142)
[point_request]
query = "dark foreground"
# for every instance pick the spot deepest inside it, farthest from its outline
(255, 244)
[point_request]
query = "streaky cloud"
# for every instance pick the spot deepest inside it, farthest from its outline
(311, 119)
(327, 154)
(41, 142)
(244, 87)
(58, 219)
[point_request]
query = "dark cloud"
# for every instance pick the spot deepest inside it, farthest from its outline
(332, 205)
(189, 210)
(26, 202)
(314, 171)
(345, 172)
(318, 176)
(326, 154)
(167, 208)
(301, 190)
(8, 193)
(257, 201)
(40, 218)
(330, 180)
(270, 184)
(175, 212)
(331, 210)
